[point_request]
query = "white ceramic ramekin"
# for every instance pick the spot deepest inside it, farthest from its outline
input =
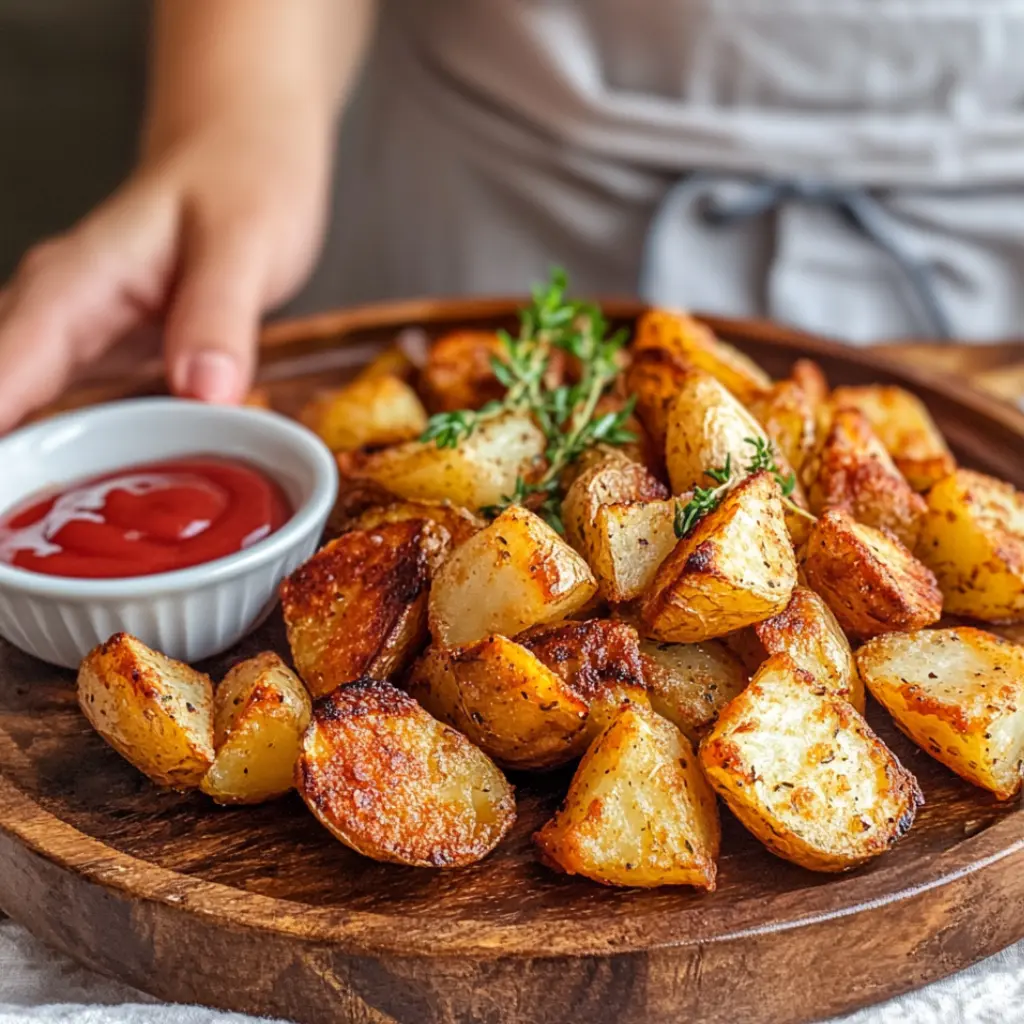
(191, 613)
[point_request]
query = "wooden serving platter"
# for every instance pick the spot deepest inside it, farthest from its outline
(260, 910)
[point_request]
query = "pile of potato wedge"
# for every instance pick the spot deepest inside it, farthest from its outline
(437, 647)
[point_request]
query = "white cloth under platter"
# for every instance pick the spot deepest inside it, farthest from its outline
(39, 985)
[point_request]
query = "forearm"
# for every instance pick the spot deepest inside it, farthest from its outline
(251, 61)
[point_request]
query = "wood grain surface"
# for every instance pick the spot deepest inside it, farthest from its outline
(260, 910)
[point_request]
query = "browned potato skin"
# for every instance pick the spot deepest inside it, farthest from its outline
(808, 631)
(157, 713)
(959, 695)
(787, 414)
(853, 471)
(655, 378)
(460, 523)
(458, 374)
(356, 493)
(869, 580)
(735, 567)
(796, 802)
(378, 772)
(359, 605)
(973, 540)
(811, 379)
(905, 427)
(640, 768)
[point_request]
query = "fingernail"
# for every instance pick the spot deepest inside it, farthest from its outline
(212, 376)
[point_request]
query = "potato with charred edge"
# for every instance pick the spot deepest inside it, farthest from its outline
(787, 414)
(460, 523)
(459, 372)
(394, 784)
(690, 683)
(959, 695)
(367, 413)
(689, 340)
(852, 470)
(261, 709)
(807, 630)
(639, 811)
(514, 574)
(480, 471)
(905, 427)
(973, 540)
(805, 774)
(735, 567)
(157, 713)
(869, 580)
(359, 605)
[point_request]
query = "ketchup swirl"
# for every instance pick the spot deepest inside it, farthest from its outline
(144, 520)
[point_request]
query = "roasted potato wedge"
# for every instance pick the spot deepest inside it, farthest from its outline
(359, 604)
(356, 493)
(394, 784)
(460, 523)
(810, 377)
(157, 713)
(479, 472)
(654, 377)
(515, 708)
(973, 540)
(906, 428)
(807, 630)
(803, 771)
(639, 811)
(735, 567)
(392, 361)
(366, 413)
(432, 684)
(689, 340)
(690, 683)
(513, 574)
(459, 372)
(872, 583)
(787, 414)
(852, 470)
(959, 695)
(261, 709)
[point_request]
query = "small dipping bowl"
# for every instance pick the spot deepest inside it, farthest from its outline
(188, 614)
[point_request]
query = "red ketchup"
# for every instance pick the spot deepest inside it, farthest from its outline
(144, 520)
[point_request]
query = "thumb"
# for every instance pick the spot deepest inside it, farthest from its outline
(213, 321)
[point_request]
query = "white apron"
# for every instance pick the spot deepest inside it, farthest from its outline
(853, 167)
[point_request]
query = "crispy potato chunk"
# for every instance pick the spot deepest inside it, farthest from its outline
(852, 470)
(513, 574)
(157, 713)
(787, 414)
(479, 472)
(905, 427)
(460, 523)
(690, 683)
(261, 709)
(973, 540)
(735, 567)
(394, 784)
(812, 380)
(639, 811)
(359, 604)
(369, 412)
(459, 374)
(807, 630)
(655, 378)
(392, 361)
(872, 583)
(804, 772)
(678, 333)
(356, 493)
(959, 695)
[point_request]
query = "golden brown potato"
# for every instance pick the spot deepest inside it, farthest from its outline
(973, 540)
(655, 377)
(639, 811)
(356, 493)
(432, 684)
(872, 583)
(459, 374)
(807, 630)
(959, 695)
(905, 427)
(690, 683)
(735, 567)
(805, 774)
(359, 605)
(394, 784)
(460, 523)
(389, 362)
(367, 413)
(810, 377)
(679, 334)
(514, 574)
(852, 470)
(515, 708)
(642, 448)
(788, 416)
(157, 713)
(261, 709)
(479, 472)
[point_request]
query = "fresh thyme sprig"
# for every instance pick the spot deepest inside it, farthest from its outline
(567, 414)
(707, 499)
